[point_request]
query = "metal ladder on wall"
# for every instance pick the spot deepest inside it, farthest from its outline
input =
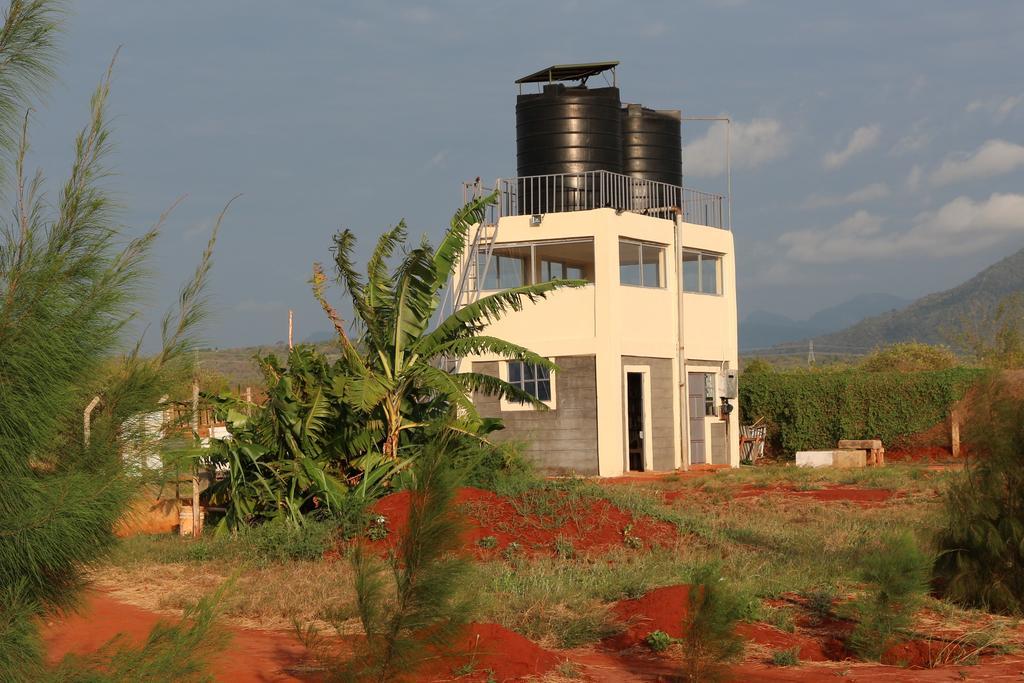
(476, 261)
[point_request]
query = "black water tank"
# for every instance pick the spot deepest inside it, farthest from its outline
(652, 144)
(566, 130)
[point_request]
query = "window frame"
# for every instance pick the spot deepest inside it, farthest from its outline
(533, 270)
(719, 272)
(512, 406)
(662, 262)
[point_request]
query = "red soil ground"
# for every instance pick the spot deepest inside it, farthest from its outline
(255, 656)
(919, 454)
(492, 650)
(252, 656)
(596, 528)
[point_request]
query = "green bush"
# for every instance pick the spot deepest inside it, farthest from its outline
(659, 641)
(981, 545)
(909, 357)
(896, 573)
(808, 410)
(282, 542)
(789, 657)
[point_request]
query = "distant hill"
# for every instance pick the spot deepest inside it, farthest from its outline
(761, 330)
(932, 319)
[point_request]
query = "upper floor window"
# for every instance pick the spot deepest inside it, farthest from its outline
(702, 272)
(641, 264)
(516, 265)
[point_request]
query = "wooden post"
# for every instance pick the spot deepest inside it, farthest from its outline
(196, 526)
(954, 433)
(290, 326)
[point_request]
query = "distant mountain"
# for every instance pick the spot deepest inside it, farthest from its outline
(761, 329)
(933, 318)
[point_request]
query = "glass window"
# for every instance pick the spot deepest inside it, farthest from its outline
(709, 394)
(709, 273)
(522, 264)
(640, 264)
(533, 379)
(652, 256)
(570, 260)
(508, 268)
(691, 271)
(702, 272)
(629, 263)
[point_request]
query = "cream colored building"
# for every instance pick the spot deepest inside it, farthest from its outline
(647, 352)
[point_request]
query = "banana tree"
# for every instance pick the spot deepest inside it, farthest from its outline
(395, 369)
(292, 455)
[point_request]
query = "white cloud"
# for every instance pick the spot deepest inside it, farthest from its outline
(961, 226)
(868, 193)
(1000, 109)
(863, 139)
(753, 144)
(914, 178)
(916, 140)
(995, 157)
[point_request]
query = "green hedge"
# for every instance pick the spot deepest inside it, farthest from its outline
(813, 410)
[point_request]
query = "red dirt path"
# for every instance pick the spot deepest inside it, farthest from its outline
(253, 656)
(596, 528)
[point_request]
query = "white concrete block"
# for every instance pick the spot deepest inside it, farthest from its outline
(814, 458)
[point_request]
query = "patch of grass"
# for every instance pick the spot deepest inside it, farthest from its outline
(819, 602)
(789, 657)
(780, 618)
(488, 542)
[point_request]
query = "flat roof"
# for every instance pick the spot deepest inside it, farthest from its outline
(567, 72)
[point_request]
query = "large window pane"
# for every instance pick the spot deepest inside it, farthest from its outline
(533, 379)
(571, 260)
(652, 259)
(710, 268)
(508, 268)
(629, 263)
(691, 271)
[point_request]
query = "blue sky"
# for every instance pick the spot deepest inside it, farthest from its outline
(878, 146)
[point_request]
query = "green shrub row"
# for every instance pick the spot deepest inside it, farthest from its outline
(813, 410)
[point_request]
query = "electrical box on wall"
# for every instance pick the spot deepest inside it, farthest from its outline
(727, 386)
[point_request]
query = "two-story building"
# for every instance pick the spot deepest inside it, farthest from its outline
(647, 352)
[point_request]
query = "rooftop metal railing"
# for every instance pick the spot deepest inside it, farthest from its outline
(558, 193)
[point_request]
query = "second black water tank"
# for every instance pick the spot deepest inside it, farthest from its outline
(652, 144)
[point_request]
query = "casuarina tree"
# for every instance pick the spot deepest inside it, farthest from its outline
(69, 286)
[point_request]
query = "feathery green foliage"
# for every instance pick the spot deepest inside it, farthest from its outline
(69, 284)
(896, 573)
(981, 545)
(709, 640)
(407, 606)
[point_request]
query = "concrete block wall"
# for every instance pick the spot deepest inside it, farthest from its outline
(558, 441)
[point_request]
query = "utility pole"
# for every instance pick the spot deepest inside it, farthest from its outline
(810, 353)
(196, 527)
(290, 327)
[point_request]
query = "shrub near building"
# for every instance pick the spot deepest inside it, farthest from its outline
(808, 410)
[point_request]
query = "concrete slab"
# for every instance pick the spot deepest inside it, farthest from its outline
(863, 444)
(814, 458)
(847, 458)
